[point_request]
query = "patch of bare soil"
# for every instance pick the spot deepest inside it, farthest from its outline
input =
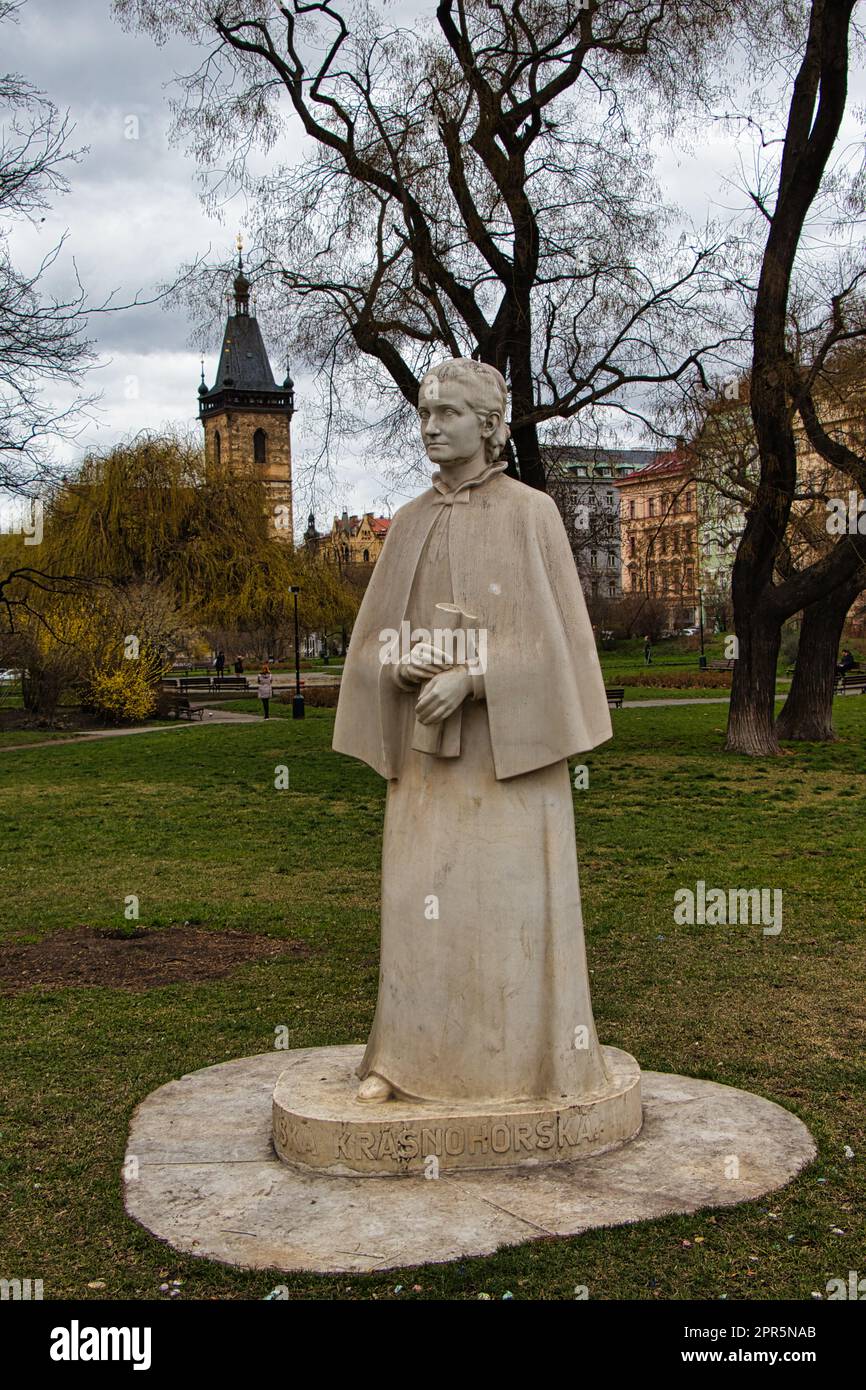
(136, 960)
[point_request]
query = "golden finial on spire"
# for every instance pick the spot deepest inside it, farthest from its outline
(239, 242)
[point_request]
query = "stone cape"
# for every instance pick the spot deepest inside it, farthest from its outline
(512, 567)
(484, 992)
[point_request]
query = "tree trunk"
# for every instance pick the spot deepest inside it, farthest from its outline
(808, 711)
(529, 457)
(751, 726)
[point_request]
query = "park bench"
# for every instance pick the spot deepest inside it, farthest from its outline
(229, 683)
(185, 685)
(181, 706)
(615, 695)
(725, 665)
(194, 683)
(851, 681)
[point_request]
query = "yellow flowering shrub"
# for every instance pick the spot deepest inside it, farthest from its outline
(123, 694)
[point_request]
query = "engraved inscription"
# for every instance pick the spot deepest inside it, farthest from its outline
(406, 1145)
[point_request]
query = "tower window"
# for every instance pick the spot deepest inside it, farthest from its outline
(366, 557)
(260, 447)
(217, 448)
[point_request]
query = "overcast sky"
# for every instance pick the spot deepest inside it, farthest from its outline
(133, 217)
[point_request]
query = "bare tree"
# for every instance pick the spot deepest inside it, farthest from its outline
(727, 465)
(41, 337)
(475, 187)
(787, 364)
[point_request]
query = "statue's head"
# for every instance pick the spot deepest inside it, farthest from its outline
(462, 406)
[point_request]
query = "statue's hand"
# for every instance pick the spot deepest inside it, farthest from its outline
(423, 662)
(444, 694)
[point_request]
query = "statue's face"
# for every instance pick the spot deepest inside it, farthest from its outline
(450, 428)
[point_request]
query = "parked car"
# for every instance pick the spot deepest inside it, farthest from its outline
(689, 631)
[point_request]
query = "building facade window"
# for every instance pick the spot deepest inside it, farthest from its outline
(260, 448)
(217, 449)
(631, 508)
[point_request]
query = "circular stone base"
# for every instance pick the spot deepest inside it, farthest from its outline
(202, 1174)
(319, 1123)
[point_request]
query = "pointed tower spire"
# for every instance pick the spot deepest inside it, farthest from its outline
(242, 284)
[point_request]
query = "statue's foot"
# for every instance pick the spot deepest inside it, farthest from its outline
(374, 1089)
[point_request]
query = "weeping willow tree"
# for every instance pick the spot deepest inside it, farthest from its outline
(144, 550)
(151, 512)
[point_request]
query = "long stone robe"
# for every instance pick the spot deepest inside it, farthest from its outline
(484, 992)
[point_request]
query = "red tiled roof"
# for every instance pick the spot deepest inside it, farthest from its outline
(378, 524)
(666, 463)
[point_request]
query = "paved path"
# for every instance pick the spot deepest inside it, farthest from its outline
(210, 716)
(224, 716)
(659, 704)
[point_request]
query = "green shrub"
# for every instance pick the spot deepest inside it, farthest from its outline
(316, 696)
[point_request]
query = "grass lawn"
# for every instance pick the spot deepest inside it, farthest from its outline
(192, 824)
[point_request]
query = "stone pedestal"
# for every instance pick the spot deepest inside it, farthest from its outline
(318, 1122)
(202, 1174)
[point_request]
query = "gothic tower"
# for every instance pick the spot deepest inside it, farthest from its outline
(247, 418)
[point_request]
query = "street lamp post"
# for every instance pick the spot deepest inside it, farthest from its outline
(702, 661)
(298, 701)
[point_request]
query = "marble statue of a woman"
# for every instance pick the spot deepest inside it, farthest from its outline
(483, 991)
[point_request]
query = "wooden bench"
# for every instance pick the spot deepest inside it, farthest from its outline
(229, 683)
(615, 695)
(181, 706)
(194, 683)
(851, 681)
(726, 665)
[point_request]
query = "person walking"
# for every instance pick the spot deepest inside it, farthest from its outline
(264, 684)
(647, 651)
(220, 664)
(239, 666)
